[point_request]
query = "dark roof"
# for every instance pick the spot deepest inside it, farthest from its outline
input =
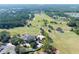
(27, 37)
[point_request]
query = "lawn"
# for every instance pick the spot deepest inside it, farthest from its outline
(67, 42)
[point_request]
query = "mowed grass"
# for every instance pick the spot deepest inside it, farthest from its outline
(66, 43)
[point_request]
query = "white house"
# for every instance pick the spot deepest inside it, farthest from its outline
(41, 37)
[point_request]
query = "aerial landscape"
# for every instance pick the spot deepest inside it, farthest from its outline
(39, 29)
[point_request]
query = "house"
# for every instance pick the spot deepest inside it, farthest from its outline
(63, 18)
(7, 49)
(26, 45)
(27, 37)
(40, 37)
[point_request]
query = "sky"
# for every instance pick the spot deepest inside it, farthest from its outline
(39, 1)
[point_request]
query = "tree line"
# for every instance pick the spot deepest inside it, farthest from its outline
(9, 19)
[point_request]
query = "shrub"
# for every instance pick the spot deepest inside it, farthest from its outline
(49, 30)
(53, 22)
(51, 27)
(60, 30)
(33, 45)
(20, 50)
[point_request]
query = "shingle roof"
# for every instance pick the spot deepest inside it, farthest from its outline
(27, 37)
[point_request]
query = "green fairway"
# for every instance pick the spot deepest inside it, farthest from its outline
(66, 42)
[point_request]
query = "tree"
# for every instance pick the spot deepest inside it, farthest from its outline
(49, 30)
(47, 43)
(76, 31)
(4, 36)
(51, 27)
(33, 45)
(45, 22)
(18, 19)
(74, 23)
(16, 41)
